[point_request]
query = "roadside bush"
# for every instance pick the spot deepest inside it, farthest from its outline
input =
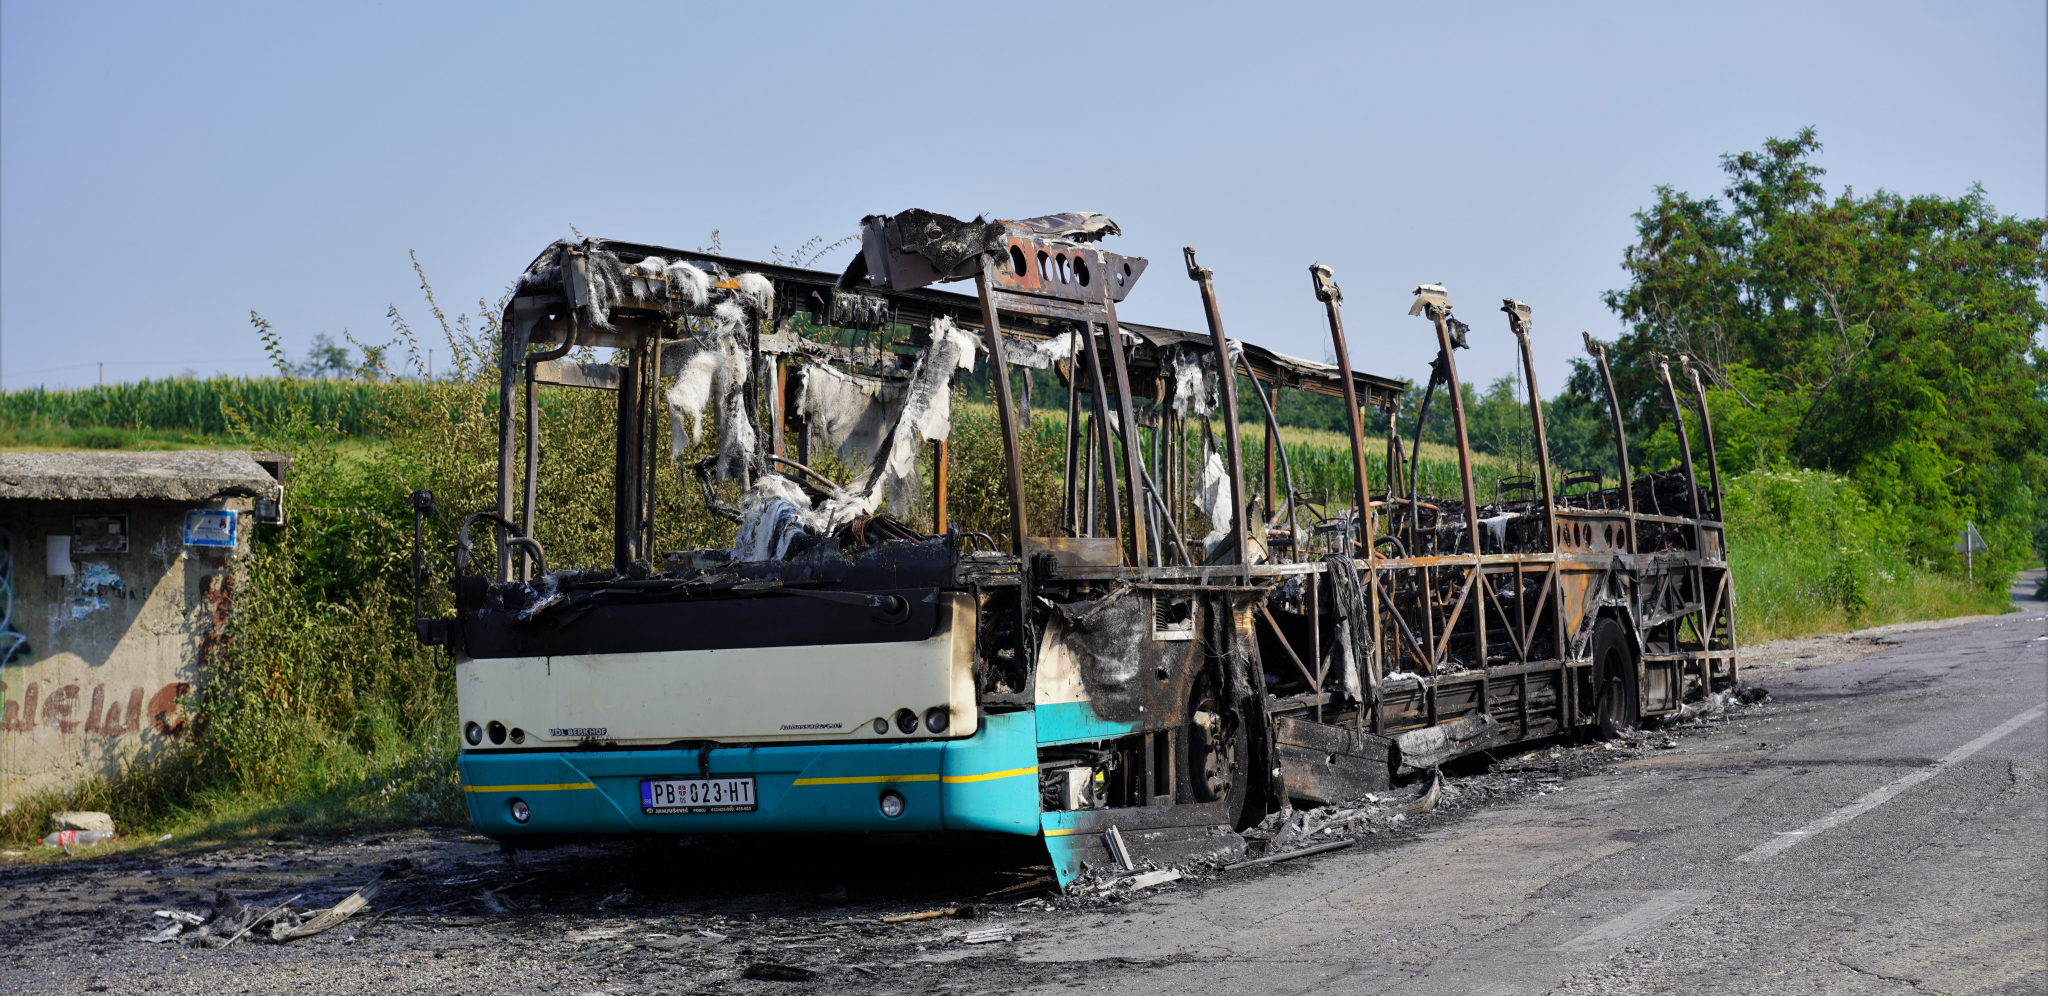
(1811, 554)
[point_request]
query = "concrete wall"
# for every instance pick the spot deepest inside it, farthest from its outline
(115, 646)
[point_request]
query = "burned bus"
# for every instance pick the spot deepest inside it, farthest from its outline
(1179, 658)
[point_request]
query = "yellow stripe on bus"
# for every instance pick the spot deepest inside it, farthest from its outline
(557, 787)
(865, 779)
(949, 779)
(1012, 773)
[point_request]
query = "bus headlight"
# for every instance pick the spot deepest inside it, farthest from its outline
(473, 733)
(892, 804)
(937, 718)
(520, 813)
(906, 721)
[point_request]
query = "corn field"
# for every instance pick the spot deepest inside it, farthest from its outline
(207, 406)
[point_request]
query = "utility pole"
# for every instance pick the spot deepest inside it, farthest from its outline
(103, 373)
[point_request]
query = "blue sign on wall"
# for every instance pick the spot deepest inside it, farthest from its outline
(211, 527)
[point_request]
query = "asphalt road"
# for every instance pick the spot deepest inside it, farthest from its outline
(1877, 828)
(1880, 830)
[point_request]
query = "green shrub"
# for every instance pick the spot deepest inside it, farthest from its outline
(1811, 554)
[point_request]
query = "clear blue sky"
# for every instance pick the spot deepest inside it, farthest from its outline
(166, 168)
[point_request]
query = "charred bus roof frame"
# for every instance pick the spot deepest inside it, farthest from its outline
(1429, 630)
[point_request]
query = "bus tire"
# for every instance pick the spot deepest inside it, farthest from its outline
(1615, 708)
(1219, 750)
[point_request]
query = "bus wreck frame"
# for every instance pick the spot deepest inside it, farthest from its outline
(1124, 690)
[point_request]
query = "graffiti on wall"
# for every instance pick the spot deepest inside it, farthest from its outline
(69, 709)
(61, 710)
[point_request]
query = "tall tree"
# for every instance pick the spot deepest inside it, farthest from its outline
(1889, 338)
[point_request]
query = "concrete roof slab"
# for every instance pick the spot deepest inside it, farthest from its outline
(174, 475)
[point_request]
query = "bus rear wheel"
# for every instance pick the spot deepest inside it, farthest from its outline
(1614, 671)
(1218, 754)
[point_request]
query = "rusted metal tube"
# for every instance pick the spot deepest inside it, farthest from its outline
(1226, 372)
(1272, 492)
(999, 370)
(626, 469)
(1518, 321)
(1332, 297)
(1692, 482)
(1070, 511)
(527, 511)
(1699, 393)
(1088, 512)
(1439, 316)
(1519, 315)
(650, 454)
(1443, 338)
(1628, 494)
(939, 484)
(1105, 453)
(1415, 460)
(1134, 457)
(511, 357)
(1273, 443)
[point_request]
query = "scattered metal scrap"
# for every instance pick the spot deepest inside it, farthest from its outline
(1335, 845)
(230, 920)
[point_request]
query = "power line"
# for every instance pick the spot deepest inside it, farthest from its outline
(120, 363)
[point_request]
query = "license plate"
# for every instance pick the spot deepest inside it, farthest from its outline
(697, 795)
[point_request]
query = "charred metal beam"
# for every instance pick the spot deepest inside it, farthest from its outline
(1518, 321)
(1272, 443)
(528, 508)
(1070, 511)
(1133, 457)
(1226, 373)
(940, 457)
(1706, 429)
(1332, 297)
(511, 360)
(1432, 302)
(1102, 453)
(1519, 316)
(1628, 493)
(1692, 483)
(1000, 371)
(626, 469)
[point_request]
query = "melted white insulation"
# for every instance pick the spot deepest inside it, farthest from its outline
(773, 513)
(1038, 355)
(1212, 490)
(605, 280)
(1194, 390)
(655, 279)
(865, 420)
(850, 413)
(717, 368)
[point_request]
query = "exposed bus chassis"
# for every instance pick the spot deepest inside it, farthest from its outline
(1124, 675)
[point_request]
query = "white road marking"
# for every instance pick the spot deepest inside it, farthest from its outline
(1879, 796)
(1659, 906)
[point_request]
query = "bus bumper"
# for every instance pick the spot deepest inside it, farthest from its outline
(986, 782)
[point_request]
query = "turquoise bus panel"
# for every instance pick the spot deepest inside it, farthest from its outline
(991, 779)
(1065, 852)
(1074, 722)
(836, 787)
(562, 798)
